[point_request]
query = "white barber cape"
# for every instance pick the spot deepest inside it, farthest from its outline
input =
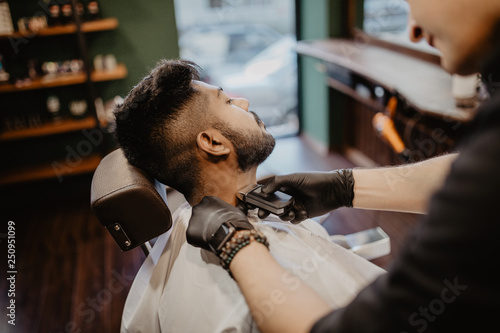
(181, 288)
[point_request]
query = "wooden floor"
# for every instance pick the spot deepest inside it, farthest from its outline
(72, 277)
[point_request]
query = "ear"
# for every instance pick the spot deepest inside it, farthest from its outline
(212, 143)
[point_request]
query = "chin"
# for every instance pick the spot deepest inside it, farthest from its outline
(457, 66)
(461, 62)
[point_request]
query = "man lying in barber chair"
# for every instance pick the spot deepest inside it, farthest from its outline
(193, 137)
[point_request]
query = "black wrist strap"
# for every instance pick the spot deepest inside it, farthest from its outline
(343, 187)
(224, 233)
(241, 225)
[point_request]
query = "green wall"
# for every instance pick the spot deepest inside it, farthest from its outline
(321, 110)
(313, 16)
(146, 33)
(360, 13)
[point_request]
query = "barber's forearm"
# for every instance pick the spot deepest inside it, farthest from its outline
(276, 303)
(406, 188)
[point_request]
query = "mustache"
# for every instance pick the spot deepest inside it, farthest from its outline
(257, 118)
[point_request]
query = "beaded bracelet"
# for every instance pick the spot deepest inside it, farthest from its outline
(237, 242)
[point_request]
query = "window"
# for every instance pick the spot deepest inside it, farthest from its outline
(231, 3)
(388, 21)
(248, 48)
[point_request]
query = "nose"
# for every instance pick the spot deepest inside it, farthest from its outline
(242, 103)
(416, 33)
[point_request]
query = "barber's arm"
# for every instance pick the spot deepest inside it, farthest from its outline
(405, 188)
(289, 308)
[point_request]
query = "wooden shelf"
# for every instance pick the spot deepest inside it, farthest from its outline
(428, 90)
(119, 73)
(57, 166)
(55, 169)
(66, 80)
(339, 86)
(63, 126)
(46, 82)
(109, 23)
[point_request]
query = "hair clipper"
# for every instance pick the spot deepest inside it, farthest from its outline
(277, 203)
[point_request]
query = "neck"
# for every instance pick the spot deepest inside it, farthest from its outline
(223, 183)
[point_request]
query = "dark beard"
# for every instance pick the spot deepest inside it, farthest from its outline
(251, 148)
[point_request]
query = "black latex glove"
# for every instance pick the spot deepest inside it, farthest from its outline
(207, 217)
(315, 193)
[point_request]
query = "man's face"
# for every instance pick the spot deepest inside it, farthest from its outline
(243, 128)
(461, 29)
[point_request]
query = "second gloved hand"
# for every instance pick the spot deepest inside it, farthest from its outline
(210, 222)
(315, 193)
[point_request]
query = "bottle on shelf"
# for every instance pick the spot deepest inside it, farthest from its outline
(54, 108)
(34, 69)
(54, 15)
(66, 13)
(80, 9)
(4, 76)
(78, 108)
(6, 25)
(93, 10)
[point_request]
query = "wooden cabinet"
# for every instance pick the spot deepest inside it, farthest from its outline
(53, 141)
(366, 76)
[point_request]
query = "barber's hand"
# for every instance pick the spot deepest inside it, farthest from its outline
(206, 219)
(315, 193)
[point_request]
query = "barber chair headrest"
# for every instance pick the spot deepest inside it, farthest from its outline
(128, 202)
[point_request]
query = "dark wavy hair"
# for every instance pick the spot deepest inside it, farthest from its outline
(157, 124)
